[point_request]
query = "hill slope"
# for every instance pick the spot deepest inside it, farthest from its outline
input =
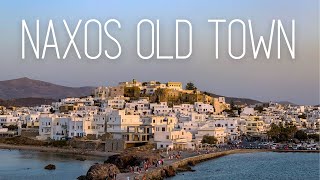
(26, 88)
(235, 99)
(28, 102)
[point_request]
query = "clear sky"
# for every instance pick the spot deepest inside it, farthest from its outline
(277, 80)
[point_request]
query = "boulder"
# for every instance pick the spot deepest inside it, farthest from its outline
(50, 167)
(191, 163)
(132, 158)
(82, 177)
(170, 171)
(80, 158)
(102, 171)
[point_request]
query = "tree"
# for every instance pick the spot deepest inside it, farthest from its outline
(259, 108)
(52, 111)
(11, 127)
(301, 135)
(280, 133)
(314, 137)
(209, 139)
(302, 116)
(232, 105)
(190, 86)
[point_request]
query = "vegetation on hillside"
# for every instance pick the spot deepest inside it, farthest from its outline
(209, 139)
(279, 133)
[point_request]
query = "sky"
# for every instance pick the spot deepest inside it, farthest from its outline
(263, 79)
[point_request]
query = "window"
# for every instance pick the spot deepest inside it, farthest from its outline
(163, 129)
(88, 127)
(167, 137)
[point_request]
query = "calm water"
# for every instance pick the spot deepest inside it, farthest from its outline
(265, 165)
(30, 165)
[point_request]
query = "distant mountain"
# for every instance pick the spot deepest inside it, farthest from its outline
(29, 88)
(287, 103)
(239, 101)
(29, 92)
(27, 102)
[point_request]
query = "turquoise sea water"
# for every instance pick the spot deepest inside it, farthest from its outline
(20, 165)
(262, 165)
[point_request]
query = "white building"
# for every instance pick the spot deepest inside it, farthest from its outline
(118, 122)
(200, 107)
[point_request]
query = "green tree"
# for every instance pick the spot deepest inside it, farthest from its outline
(209, 139)
(259, 108)
(314, 137)
(280, 133)
(232, 105)
(274, 132)
(302, 116)
(301, 135)
(190, 86)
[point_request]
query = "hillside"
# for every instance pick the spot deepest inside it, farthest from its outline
(26, 88)
(28, 102)
(29, 92)
(235, 99)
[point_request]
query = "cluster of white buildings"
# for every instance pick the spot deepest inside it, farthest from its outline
(139, 121)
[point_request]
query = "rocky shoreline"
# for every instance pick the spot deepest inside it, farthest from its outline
(187, 163)
(184, 164)
(71, 151)
(118, 163)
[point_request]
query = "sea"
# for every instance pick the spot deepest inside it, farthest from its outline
(259, 165)
(22, 164)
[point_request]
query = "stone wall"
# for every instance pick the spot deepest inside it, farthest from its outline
(114, 145)
(88, 145)
(32, 133)
(158, 173)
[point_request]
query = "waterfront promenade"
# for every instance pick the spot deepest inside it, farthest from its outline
(179, 164)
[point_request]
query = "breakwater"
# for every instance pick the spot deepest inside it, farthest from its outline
(169, 170)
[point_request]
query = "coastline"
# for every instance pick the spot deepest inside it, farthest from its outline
(179, 166)
(168, 170)
(159, 173)
(71, 151)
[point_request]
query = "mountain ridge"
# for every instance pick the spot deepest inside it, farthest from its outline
(30, 88)
(25, 91)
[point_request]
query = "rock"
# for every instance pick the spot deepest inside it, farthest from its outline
(132, 158)
(102, 171)
(191, 163)
(82, 177)
(170, 171)
(80, 158)
(50, 167)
